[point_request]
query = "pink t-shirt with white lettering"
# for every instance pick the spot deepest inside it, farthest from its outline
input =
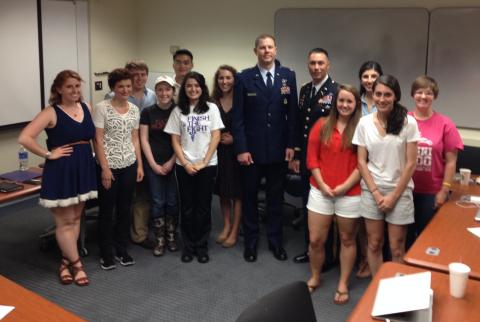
(438, 136)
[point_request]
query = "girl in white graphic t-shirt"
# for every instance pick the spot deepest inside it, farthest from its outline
(195, 126)
(387, 152)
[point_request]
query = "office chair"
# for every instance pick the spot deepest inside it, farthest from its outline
(291, 302)
(293, 187)
(90, 212)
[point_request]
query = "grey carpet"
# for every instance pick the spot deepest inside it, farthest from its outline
(159, 289)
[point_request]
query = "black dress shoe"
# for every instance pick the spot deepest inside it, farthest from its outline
(302, 258)
(250, 254)
(203, 258)
(187, 257)
(279, 253)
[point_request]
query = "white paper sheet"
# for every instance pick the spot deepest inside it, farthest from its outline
(402, 294)
(4, 310)
(475, 231)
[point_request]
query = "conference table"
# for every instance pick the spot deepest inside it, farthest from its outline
(30, 306)
(445, 307)
(7, 198)
(447, 232)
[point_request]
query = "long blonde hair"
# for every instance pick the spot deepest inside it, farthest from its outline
(331, 121)
(60, 79)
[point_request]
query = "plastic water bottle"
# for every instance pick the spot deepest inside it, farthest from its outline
(23, 158)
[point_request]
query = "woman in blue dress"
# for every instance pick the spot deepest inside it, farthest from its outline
(69, 175)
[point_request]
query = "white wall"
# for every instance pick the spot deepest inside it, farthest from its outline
(222, 32)
(217, 31)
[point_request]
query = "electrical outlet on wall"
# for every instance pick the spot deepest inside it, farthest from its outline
(98, 85)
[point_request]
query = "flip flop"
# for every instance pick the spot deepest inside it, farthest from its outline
(313, 288)
(340, 294)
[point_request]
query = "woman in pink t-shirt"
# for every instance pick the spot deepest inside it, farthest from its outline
(436, 157)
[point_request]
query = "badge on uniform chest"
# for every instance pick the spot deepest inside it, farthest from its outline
(326, 100)
(285, 89)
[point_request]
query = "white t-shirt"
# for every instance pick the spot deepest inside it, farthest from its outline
(195, 132)
(117, 133)
(386, 155)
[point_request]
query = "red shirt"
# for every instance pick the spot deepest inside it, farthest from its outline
(335, 163)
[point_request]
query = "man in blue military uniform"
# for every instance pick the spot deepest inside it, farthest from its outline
(264, 116)
(316, 99)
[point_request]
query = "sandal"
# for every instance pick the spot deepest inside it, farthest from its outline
(363, 270)
(80, 281)
(313, 287)
(338, 295)
(65, 279)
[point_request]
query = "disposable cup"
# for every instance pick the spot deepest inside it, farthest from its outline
(465, 176)
(458, 279)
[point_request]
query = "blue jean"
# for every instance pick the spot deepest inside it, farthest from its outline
(424, 205)
(163, 193)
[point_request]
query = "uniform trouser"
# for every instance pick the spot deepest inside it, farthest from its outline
(141, 212)
(274, 174)
(115, 206)
(196, 208)
(329, 243)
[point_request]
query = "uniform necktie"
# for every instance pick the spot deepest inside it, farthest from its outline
(314, 89)
(269, 80)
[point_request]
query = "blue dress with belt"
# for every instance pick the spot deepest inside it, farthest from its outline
(71, 179)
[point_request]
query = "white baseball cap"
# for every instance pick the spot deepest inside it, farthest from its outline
(165, 78)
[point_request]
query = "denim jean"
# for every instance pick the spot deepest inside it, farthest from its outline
(424, 204)
(163, 193)
(115, 210)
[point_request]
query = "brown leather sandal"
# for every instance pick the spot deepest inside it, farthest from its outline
(65, 279)
(81, 281)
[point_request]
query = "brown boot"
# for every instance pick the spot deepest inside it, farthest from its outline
(159, 230)
(171, 234)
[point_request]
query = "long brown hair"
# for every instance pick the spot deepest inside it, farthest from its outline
(217, 92)
(331, 121)
(60, 79)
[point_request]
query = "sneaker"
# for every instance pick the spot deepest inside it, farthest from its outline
(107, 263)
(125, 259)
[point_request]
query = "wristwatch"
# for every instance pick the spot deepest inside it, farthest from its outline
(47, 155)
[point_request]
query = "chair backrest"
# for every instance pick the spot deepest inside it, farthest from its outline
(469, 158)
(291, 302)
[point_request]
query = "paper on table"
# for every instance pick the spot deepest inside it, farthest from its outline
(4, 310)
(474, 230)
(402, 294)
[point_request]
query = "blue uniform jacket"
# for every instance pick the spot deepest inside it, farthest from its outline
(264, 121)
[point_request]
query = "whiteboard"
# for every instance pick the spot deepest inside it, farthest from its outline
(454, 61)
(396, 38)
(20, 88)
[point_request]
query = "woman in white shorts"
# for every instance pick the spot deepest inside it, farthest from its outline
(335, 187)
(387, 152)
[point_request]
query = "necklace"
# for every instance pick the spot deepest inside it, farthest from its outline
(70, 112)
(382, 125)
